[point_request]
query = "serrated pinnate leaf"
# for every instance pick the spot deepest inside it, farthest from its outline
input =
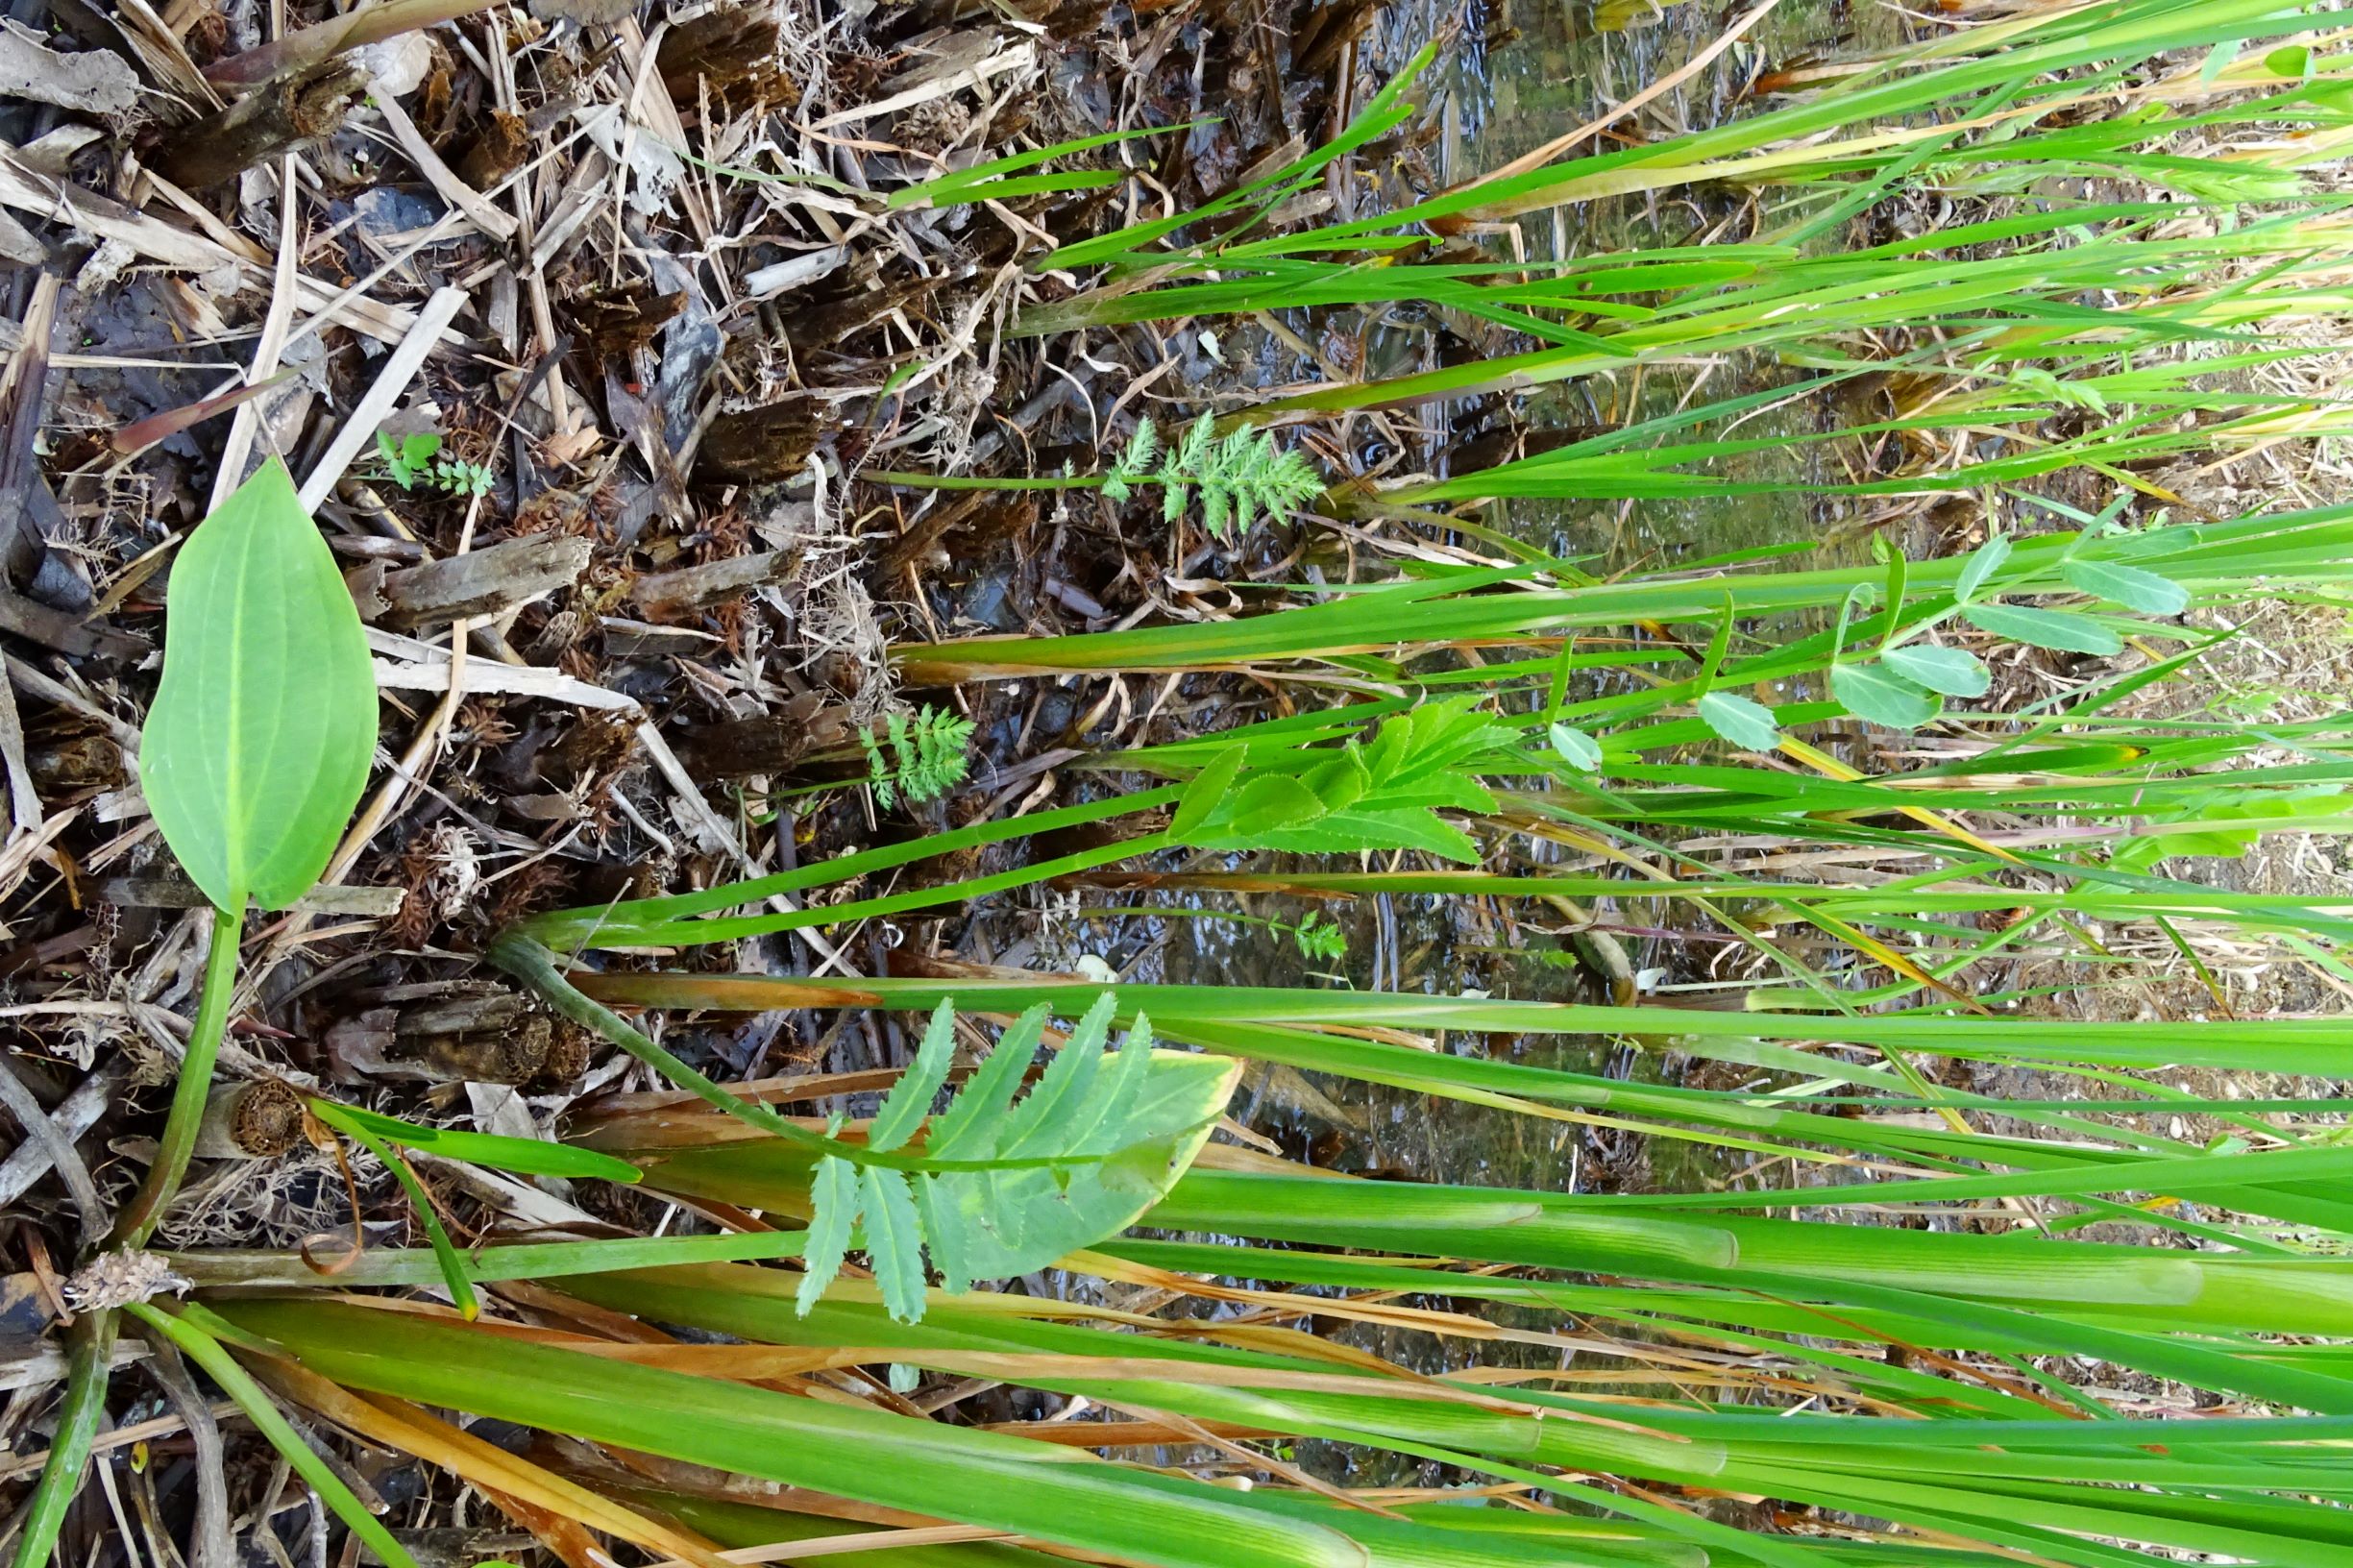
(1876, 695)
(259, 737)
(1739, 719)
(1951, 671)
(893, 1239)
(1206, 793)
(973, 1120)
(2055, 630)
(1380, 793)
(833, 1209)
(1010, 1187)
(2136, 589)
(909, 1101)
(1037, 1122)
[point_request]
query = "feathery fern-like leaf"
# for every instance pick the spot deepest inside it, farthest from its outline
(918, 759)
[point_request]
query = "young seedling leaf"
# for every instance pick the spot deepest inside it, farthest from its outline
(445, 1251)
(2056, 629)
(1579, 749)
(259, 742)
(1950, 670)
(1746, 724)
(2130, 586)
(1982, 563)
(1873, 694)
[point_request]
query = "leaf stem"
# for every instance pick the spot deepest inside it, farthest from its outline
(532, 963)
(88, 1361)
(138, 1221)
(972, 481)
(238, 1385)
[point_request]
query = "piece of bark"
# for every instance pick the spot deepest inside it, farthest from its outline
(675, 595)
(20, 246)
(486, 1036)
(768, 443)
(501, 148)
(770, 744)
(482, 582)
(222, 146)
(68, 634)
(731, 53)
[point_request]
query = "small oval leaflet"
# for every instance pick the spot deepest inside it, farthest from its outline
(258, 743)
(1740, 721)
(2058, 630)
(1579, 749)
(2127, 585)
(1983, 562)
(1950, 670)
(1874, 694)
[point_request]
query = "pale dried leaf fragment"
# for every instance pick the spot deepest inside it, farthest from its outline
(91, 82)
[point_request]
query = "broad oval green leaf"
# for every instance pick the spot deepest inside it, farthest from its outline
(259, 742)
(1740, 721)
(1871, 693)
(2055, 630)
(1947, 670)
(2130, 586)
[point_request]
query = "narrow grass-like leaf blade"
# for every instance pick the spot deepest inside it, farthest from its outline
(525, 1156)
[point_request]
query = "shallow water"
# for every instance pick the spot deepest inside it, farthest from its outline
(1555, 76)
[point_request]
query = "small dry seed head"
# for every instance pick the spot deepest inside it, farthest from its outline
(117, 1279)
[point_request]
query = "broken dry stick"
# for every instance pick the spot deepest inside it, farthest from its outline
(222, 146)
